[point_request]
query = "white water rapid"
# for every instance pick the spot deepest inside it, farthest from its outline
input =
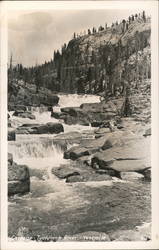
(43, 115)
(39, 151)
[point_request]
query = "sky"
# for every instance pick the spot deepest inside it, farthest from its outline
(34, 35)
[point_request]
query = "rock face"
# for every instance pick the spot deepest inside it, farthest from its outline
(96, 62)
(134, 156)
(115, 153)
(88, 147)
(79, 172)
(18, 178)
(76, 152)
(64, 172)
(48, 128)
(24, 114)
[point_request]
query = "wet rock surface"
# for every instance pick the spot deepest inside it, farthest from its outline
(65, 172)
(48, 128)
(96, 114)
(11, 134)
(18, 177)
(24, 114)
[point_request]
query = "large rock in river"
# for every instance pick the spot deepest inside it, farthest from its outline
(48, 128)
(64, 171)
(134, 157)
(75, 152)
(22, 114)
(11, 134)
(18, 178)
(95, 113)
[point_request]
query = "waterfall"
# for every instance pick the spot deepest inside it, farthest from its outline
(37, 152)
(75, 100)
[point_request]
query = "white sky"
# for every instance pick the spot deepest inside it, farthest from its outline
(34, 35)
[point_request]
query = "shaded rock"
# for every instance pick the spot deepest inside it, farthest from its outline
(18, 187)
(10, 158)
(69, 138)
(49, 128)
(11, 134)
(147, 174)
(82, 120)
(75, 178)
(26, 130)
(72, 111)
(29, 125)
(50, 108)
(86, 176)
(18, 112)
(101, 171)
(131, 157)
(17, 172)
(20, 107)
(110, 142)
(131, 150)
(95, 113)
(130, 165)
(120, 126)
(76, 152)
(55, 128)
(64, 171)
(147, 132)
(107, 107)
(22, 114)
(85, 160)
(98, 136)
(12, 107)
(107, 171)
(9, 124)
(130, 176)
(96, 123)
(51, 100)
(27, 115)
(120, 165)
(102, 131)
(18, 179)
(58, 115)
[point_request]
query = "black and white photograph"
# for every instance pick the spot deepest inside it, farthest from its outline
(79, 83)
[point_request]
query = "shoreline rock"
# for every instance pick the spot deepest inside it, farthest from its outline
(18, 177)
(48, 128)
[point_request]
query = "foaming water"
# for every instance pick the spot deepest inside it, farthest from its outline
(36, 152)
(42, 115)
(75, 100)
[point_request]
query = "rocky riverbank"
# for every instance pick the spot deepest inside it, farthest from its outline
(93, 181)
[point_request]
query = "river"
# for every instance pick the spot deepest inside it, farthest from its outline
(54, 208)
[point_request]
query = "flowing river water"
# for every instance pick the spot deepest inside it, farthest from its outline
(54, 208)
